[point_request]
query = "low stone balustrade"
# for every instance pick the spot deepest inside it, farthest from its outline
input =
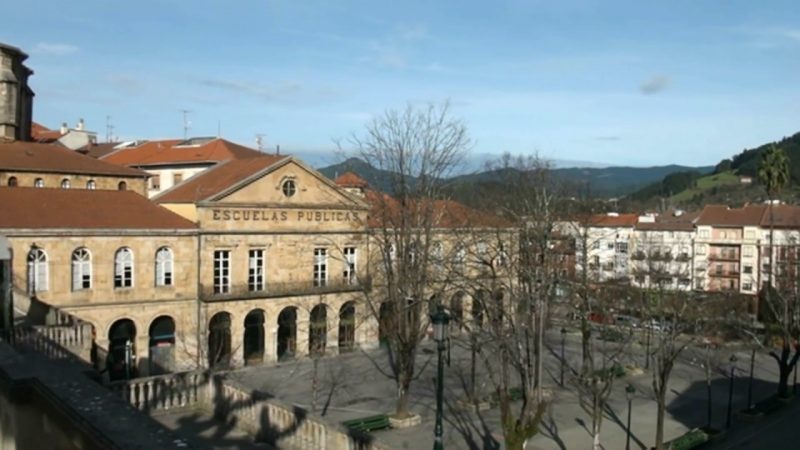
(163, 392)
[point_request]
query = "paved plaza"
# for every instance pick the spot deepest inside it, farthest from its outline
(352, 386)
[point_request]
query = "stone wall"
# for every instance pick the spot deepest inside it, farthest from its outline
(77, 181)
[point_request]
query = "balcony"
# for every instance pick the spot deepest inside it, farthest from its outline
(726, 256)
(725, 273)
(285, 289)
(661, 257)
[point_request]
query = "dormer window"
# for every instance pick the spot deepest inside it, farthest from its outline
(288, 188)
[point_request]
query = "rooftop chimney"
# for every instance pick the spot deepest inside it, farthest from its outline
(64, 128)
(79, 126)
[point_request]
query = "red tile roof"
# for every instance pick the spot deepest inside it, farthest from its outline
(173, 151)
(50, 158)
(724, 216)
(40, 133)
(671, 221)
(782, 216)
(217, 179)
(350, 179)
(613, 220)
(385, 210)
(25, 207)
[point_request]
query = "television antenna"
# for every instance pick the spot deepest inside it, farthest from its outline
(186, 123)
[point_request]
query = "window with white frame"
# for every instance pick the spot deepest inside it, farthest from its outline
(747, 250)
(81, 269)
(222, 271)
(701, 249)
(704, 234)
(123, 268)
(255, 271)
(37, 271)
(320, 267)
(164, 266)
(349, 273)
(747, 286)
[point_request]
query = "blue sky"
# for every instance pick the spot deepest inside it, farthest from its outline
(619, 82)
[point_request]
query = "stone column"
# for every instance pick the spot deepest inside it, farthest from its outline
(302, 331)
(237, 341)
(142, 353)
(332, 333)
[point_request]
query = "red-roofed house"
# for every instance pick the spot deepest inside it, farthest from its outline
(173, 161)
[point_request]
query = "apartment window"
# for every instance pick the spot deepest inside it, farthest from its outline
(622, 247)
(684, 282)
(718, 269)
(12, 181)
(349, 273)
(38, 183)
(81, 269)
(123, 268)
(765, 267)
(164, 265)
(747, 250)
(320, 267)
(699, 283)
(177, 177)
(749, 234)
(255, 271)
(596, 260)
(91, 185)
(701, 249)
(222, 271)
(37, 271)
(610, 246)
(437, 253)
(122, 186)
(596, 245)
(65, 183)
(748, 269)
(704, 234)
(155, 182)
(747, 286)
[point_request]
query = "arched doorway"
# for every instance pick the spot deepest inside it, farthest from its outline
(254, 337)
(287, 333)
(121, 359)
(347, 327)
(219, 340)
(384, 323)
(318, 331)
(161, 349)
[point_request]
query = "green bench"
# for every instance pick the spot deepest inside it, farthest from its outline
(368, 424)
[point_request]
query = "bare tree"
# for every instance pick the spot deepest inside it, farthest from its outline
(514, 280)
(419, 146)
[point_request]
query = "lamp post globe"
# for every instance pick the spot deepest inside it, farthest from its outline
(440, 320)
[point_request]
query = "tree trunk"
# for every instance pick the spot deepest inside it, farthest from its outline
(402, 400)
(783, 383)
(660, 422)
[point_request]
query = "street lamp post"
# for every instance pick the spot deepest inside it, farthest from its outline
(563, 339)
(730, 390)
(629, 391)
(750, 384)
(440, 321)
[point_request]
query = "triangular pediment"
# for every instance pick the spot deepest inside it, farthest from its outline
(289, 183)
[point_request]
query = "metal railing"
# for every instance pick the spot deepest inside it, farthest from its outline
(280, 289)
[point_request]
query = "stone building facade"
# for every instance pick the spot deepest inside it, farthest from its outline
(16, 97)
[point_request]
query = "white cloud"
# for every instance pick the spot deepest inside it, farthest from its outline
(55, 48)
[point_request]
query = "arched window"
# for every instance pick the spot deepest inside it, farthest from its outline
(81, 269)
(164, 267)
(123, 268)
(12, 181)
(37, 271)
(91, 185)
(122, 186)
(65, 184)
(39, 183)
